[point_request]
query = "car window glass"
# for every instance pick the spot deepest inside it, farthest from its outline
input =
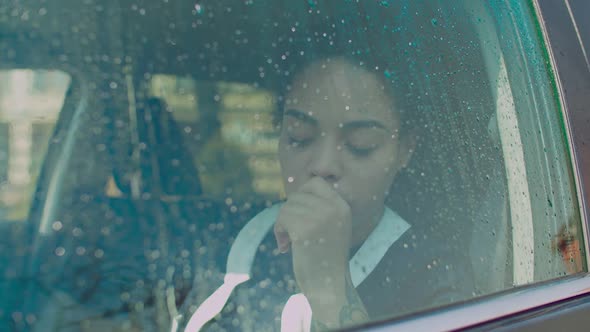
(226, 126)
(30, 104)
(252, 165)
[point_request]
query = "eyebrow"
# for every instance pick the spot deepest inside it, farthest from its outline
(352, 125)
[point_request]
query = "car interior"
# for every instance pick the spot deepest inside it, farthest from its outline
(127, 190)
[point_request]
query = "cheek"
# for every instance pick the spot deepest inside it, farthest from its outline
(375, 176)
(292, 165)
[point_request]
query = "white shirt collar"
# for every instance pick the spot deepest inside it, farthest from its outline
(243, 251)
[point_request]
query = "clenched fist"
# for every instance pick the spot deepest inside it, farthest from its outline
(315, 224)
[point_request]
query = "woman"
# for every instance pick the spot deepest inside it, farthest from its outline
(342, 143)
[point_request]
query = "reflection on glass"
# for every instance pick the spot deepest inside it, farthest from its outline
(288, 164)
(30, 102)
(228, 128)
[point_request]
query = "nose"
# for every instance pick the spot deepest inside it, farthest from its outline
(325, 161)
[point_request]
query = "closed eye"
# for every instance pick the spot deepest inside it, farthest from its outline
(361, 151)
(362, 141)
(298, 143)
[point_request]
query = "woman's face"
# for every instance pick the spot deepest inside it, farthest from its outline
(339, 124)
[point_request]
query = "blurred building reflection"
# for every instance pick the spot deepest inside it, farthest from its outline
(30, 101)
(228, 127)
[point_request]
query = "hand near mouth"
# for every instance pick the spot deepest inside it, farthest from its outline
(315, 224)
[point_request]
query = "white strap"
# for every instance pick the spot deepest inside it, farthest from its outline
(239, 263)
(297, 310)
(243, 250)
(213, 305)
(296, 316)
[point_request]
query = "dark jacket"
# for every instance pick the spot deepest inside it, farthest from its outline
(417, 272)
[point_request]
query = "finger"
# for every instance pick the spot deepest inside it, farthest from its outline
(304, 202)
(319, 187)
(322, 189)
(297, 221)
(282, 238)
(317, 196)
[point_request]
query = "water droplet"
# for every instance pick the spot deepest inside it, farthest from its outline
(17, 316)
(80, 251)
(198, 8)
(60, 251)
(125, 296)
(57, 226)
(31, 318)
(98, 253)
(155, 254)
